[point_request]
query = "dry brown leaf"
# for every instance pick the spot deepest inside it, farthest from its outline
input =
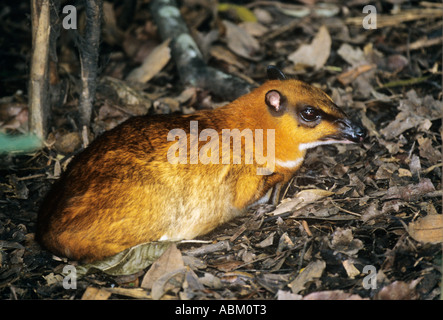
(415, 164)
(211, 281)
(411, 191)
(191, 286)
(354, 56)
(169, 261)
(10, 109)
(68, 143)
(223, 54)
(398, 290)
(314, 54)
(404, 173)
(300, 200)
(50, 278)
(111, 32)
(285, 242)
(355, 181)
(137, 293)
(391, 206)
(428, 151)
(332, 295)
(287, 295)
(240, 41)
(326, 9)
(166, 105)
(127, 94)
(255, 29)
(396, 62)
(267, 242)
(294, 10)
(237, 278)
(129, 261)
(350, 268)
(13, 116)
(414, 111)
(428, 229)
(347, 77)
(170, 281)
(92, 293)
(370, 212)
(273, 282)
(369, 125)
(343, 241)
(152, 64)
(227, 266)
(312, 271)
(385, 170)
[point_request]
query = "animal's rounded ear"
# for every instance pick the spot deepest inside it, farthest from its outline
(275, 101)
(275, 73)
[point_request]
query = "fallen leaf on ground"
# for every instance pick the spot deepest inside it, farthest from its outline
(354, 56)
(267, 242)
(53, 278)
(314, 54)
(398, 290)
(168, 281)
(414, 112)
(152, 64)
(287, 295)
(332, 295)
(428, 229)
(92, 293)
(370, 212)
(347, 77)
(137, 293)
(127, 94)
(68, 143)
(127, 262)
(300, 200)
(312, 271)
(169, 261)
(350, 268)
(240, 41)
(411, 191)
(343, 241)
(428, 151)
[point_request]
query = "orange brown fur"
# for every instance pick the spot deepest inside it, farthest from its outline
(121, 191)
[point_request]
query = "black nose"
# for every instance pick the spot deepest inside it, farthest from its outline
(359, 133)
(351, 131)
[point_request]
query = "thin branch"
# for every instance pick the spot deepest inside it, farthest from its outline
(89, 53)
(38, 83)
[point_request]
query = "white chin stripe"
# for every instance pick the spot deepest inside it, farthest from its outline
(309, 145)
(164, 238)
(289, 164)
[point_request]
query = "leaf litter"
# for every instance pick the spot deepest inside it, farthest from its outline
(378, 204)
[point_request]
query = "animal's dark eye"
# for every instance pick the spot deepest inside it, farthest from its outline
(309, 114)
